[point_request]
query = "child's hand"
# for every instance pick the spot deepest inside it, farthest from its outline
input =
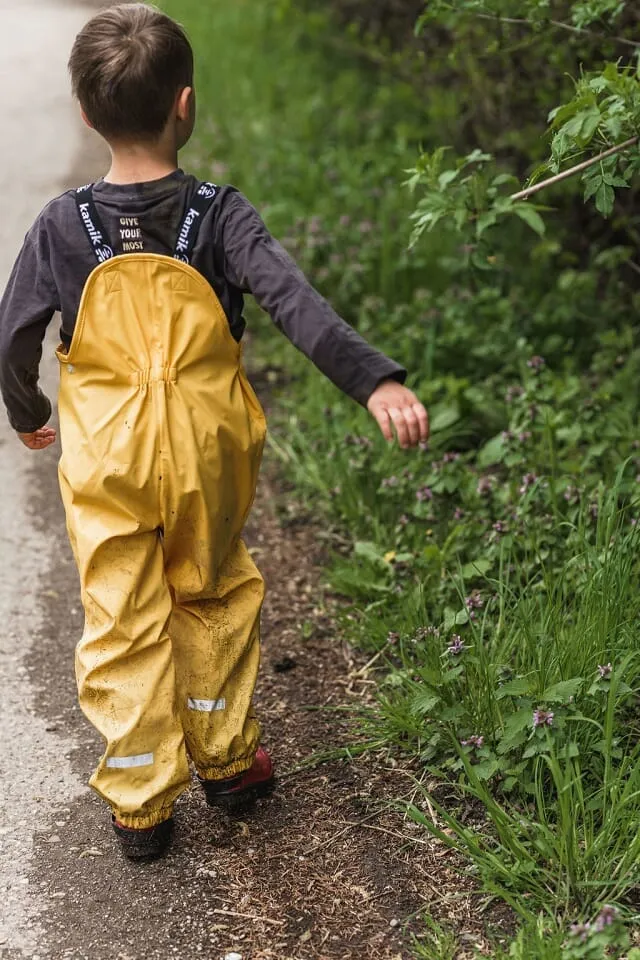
(391, 403)
(39, 439)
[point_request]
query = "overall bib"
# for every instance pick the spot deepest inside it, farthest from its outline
(162, 438)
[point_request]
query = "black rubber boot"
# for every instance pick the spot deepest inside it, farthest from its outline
(144, 845)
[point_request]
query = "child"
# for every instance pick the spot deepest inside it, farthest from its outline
(161, 432)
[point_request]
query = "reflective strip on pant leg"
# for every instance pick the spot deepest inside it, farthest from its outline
(141, 760)
(206, 706)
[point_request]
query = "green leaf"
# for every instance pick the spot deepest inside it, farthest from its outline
(443, 416)
(447, 177)
(486, 220)
(486, 769)
(424, 702)
(515, 688)
(561, 692)
(517, 722)
(371, 552)
(531, 217)
(605, 197)
(492, 452)
(476, 568)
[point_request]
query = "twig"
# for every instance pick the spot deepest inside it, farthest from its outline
(634, 266)
(362, 670)
(392, 833)
(559, 25)
(572, 171)
(249, 916)
(336, 836)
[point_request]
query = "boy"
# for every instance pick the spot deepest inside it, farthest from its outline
(161, 432)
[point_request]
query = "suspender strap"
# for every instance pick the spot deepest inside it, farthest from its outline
(92, 224)
(197, 209)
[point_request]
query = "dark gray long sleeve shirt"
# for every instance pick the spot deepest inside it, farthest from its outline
(235, 252)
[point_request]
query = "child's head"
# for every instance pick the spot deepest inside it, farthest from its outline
(132, 72)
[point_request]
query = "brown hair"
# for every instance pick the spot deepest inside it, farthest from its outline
(127, 65)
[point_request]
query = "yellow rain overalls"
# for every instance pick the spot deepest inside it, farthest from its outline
(162, 438)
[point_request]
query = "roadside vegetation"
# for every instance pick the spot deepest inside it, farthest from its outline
(496, 571)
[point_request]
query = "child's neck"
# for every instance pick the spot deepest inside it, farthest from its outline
(137, 163)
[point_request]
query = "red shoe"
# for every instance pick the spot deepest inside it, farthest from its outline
(238, 793)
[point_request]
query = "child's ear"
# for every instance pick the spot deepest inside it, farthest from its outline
(86, 119)
(184, 103)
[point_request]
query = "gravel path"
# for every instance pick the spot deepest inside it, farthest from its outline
(42, 140)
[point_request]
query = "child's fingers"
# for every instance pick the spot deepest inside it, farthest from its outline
(382, 417)
(401, 425)
(423, 421)
(413, 425)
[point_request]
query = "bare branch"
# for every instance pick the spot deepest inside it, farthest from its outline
(572, 171)
(559, 25)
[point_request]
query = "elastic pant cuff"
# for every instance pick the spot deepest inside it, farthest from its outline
(225, 773)
(145, 821)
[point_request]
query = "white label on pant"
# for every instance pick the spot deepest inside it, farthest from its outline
(206, 706)
(121, 763)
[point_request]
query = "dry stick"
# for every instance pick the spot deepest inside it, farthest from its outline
(559, 177)
(249, 916)
(559, 25)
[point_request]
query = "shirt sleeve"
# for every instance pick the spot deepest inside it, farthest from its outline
(256, 263)
(28, 304)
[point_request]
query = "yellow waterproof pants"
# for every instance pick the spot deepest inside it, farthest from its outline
(162, 438)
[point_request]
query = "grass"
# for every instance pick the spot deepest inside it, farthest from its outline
(496, 573)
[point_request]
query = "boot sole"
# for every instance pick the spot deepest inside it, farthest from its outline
(234, 803)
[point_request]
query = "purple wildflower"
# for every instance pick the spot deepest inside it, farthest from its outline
(507, 436)
(474, 601)
(524, 436)
(351, 440)
(451, 457)
(535, 363)
(459, 514)
(484, 485)
(571, 494)
(404, 520)
(390, 481)
(580, 931)
(393, 637)
(605, 670)
(456, 646)
(528, 481)
(542, 718)
(607, 916)
(474, 741)
(500, 527)
(424, 493)
(513, 392)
